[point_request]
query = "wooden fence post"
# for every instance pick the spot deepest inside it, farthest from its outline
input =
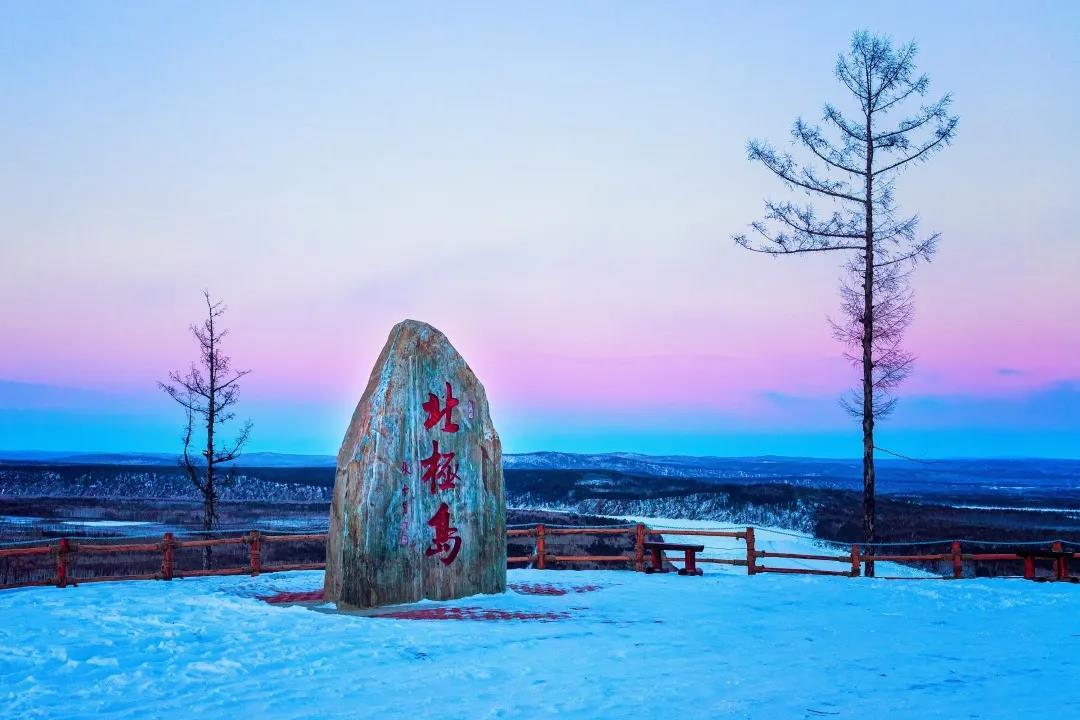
(256, 552)
(541, 550)
(855, 561)
(1029, 568)
(167, 556)
(639, 547)
(1061, 564)
(62, 551)
(751, 552)
(957, 561)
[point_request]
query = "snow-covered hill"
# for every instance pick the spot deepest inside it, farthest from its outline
(162, 482)
(713, 507)
(251, 459)
(1015, 477)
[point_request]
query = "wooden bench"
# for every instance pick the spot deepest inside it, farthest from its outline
(657, 549)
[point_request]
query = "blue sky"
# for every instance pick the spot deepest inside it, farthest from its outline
(554, 186)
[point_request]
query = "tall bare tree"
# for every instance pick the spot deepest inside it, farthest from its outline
(207, 392)
(854, 176)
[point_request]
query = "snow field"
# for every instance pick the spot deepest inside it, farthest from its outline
(660, 646)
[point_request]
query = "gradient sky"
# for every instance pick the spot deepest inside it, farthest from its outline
(554, 185)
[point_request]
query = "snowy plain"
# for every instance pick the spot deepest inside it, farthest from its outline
(631, 645)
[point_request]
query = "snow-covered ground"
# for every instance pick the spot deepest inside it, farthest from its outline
(659, 646)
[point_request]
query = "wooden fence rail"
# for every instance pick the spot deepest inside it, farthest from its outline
(64, 549)
(1059, 561)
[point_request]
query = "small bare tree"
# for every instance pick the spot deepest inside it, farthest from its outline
(855, 176)
(207, 392)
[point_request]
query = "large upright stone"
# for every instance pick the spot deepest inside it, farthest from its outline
(418, 509)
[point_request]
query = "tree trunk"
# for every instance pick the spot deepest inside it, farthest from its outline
(209, 499)
(868, 353)
(208, 523)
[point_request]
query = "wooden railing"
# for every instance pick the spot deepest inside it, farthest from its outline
(1055, 555)
(63, 550)
(541, 558)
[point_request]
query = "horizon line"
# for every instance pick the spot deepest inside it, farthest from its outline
(10, 455)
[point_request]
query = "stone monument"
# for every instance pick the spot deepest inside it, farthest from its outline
(418, 509)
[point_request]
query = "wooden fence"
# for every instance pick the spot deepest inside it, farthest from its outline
(540, 558)
(63, 550)
(855, 560)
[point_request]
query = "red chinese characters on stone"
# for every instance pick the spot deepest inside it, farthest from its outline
(441, 473)
(447, 542)
(439, 469)
(436, 411)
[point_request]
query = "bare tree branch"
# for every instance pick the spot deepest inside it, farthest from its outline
(784, 167)
(812, 138)
(853, 132)
(942, 137)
